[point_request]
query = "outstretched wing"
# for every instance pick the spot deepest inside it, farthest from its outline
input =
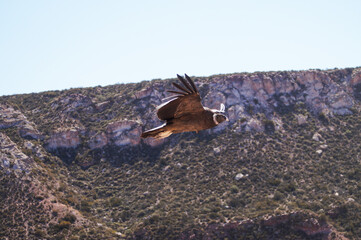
(186, 101)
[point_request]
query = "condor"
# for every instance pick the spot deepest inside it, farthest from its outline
(184, 112)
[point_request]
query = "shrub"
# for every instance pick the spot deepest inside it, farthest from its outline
(69, 217)
(62, 225)
(39, 233)
(235, 202)
(269, 126)
(278, 196)
(115, 202)
(234, 189)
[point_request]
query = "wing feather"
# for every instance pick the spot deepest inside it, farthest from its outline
(180, 87)
(167, 110)
(185, 83)
(177, 92)
(187, 102)
(192, 83)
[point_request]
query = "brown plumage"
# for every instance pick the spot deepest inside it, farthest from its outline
(185, 112)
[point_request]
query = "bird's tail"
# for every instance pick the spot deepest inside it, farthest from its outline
(158, 132)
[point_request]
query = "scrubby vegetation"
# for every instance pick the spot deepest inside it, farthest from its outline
(189, 182)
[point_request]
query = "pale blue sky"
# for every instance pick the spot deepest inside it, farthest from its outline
(60, 44)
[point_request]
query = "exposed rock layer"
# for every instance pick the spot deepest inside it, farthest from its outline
(84, 129)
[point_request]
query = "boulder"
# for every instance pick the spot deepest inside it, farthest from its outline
(239, 176)
(217, 150)
(301, 119)
(317, 137)
(324, 146)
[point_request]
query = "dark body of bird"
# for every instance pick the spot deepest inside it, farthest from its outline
(185, 112)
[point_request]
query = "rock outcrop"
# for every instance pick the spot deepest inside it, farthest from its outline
(327, 92)
(245, 96)
(64, 138)
(97, 140)
(121, 133)
(73, 102)
(12, 158)
(9, 117)
(98, 128)
(124, 132)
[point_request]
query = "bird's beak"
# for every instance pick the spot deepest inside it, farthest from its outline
(227, 119)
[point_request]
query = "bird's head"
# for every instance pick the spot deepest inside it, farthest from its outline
(219, 116)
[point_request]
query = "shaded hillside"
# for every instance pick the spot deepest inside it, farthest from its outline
(286, 166)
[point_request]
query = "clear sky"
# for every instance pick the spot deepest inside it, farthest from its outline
(61, 44)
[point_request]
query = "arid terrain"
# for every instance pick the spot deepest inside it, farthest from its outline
(286, 166)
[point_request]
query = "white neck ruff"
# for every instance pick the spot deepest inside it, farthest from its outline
(214, 119)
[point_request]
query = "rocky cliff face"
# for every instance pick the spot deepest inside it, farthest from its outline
(9, 117)
(246, 96)
(91, 127)
(12, 158)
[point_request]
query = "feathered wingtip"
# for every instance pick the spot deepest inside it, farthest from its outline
(188, 86)
(158, 132)
(192, 83)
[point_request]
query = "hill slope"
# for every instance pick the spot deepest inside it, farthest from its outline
(286, 166)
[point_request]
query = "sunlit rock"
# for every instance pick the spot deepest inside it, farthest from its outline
(64, 138)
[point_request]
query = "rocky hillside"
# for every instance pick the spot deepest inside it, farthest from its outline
(286, 166)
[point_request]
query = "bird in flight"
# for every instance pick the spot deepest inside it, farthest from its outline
(184, 112)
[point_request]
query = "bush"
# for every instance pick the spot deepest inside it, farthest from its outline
(278, 196)
(234, 189)
(287, 187)
(85, 205)
(39, 233)
(62, 225)
(269, 126)
(235, 202)
(115, 202)
(69, 218)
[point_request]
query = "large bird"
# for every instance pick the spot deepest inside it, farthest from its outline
(184, 112)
